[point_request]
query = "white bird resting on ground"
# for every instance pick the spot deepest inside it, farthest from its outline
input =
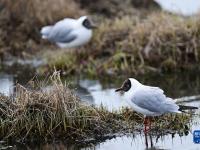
(149, 100)
(69, 33)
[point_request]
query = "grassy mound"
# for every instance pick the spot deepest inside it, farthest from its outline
(39, 114)
(131, 45)
(54, 114)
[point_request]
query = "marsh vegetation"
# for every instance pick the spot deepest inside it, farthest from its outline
(133, 38)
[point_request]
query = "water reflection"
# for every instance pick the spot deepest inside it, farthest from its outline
(99, 96)
(12, 75)
(6, 84)
(147, 141)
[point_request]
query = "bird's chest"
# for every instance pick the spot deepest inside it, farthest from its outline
(139, 109)
(83, 35)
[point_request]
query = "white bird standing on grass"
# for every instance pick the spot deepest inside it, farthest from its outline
(69, 33)
(149, 101)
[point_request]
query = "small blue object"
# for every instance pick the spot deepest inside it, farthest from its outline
(196, 136)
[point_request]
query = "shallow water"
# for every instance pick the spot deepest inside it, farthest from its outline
(101, 92)
(7, 84)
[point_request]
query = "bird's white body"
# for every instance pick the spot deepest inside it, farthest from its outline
(165, 104)
(149, 100)
(70, 29)
(81, 40)
(141, 110)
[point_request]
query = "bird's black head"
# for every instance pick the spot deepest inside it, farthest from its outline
(125, 86)
(88, 24)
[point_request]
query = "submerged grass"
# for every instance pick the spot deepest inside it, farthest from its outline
(39, 114)
(133, 45)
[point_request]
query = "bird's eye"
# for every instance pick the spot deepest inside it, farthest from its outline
(87, 24)
(127, 85)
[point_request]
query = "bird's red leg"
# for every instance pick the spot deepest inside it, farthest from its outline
(145, 125)
(149, 123)
(146, 140)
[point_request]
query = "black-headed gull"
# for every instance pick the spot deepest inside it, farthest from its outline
(69, 32)
(149, 100)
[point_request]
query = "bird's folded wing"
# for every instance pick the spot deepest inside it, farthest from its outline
(153, 99)
(62, 35)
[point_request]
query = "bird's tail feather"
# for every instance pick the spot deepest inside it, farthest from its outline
(182, 108)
